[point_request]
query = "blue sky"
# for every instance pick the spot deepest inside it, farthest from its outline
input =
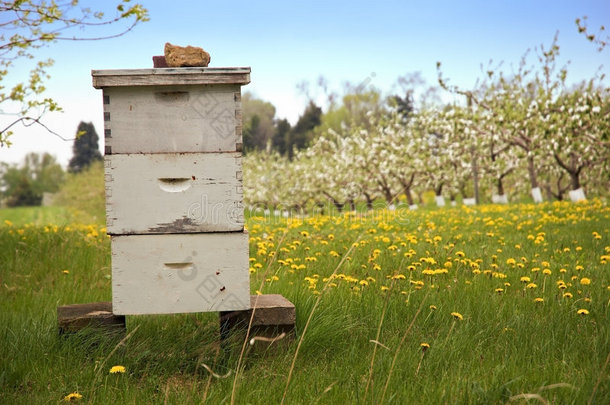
(288, 42)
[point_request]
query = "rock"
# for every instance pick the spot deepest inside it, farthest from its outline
(178, 56)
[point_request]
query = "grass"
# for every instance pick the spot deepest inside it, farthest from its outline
(507, 347)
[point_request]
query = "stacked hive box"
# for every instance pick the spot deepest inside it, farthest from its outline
(173, 175)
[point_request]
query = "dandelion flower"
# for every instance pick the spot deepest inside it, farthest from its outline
(585, 281)
(525, 279)
(531, 285)
(538, 299)
(75, 396)
(567, 295)
(424, 346)
(66, 272)
(582, 312)
(499, 290)
(457, 316)
(433, 307)
(117, 369)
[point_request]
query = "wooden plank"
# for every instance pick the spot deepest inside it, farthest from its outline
(174, 193)
(274, 319)
(170, 76)
(161, 119)
(164, 274)
(75, 317)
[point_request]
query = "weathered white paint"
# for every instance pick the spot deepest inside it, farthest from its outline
(162, 119)
(577, 195)
(170, 76)
(440, 200)
(165, 274)
(174, 193)
(469, 201)
(499, 198)
(537, 195)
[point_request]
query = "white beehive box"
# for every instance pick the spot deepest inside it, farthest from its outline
(160, 274)
(174, 199)
(174, 193)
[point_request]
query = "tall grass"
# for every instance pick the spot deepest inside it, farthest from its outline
(507, 347)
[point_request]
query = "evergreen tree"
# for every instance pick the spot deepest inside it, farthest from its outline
(280, 137)
(302, 133)
(85, 147)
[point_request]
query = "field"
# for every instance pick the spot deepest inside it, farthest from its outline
(491, 304)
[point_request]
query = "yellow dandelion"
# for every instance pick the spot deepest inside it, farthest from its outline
(66, 272)
(525, 279)
(567, 295)
(459, 253)
(457, 316)
(75, 396)
(499, 290)
(531, 286)
(117, 369)
(424, 346)
(585, 281)
(582, 312)
(433, 307)
(538, 299)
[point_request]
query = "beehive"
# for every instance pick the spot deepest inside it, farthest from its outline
(174, 199)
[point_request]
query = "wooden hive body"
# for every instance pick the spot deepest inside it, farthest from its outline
(174, 199)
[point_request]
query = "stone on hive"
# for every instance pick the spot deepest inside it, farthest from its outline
(189, 56)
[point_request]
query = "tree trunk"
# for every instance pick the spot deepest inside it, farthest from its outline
(531, 169)
(369, 201)
(575, 180)
(352, 204)
(475, 174)
(409, 196)
(387, 193)
(336, 203)
(438, 190)
(500, 186)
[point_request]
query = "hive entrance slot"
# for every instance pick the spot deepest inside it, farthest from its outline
(179, 266)
(174, 184)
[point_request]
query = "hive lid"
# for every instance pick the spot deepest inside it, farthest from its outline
(170, 76)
